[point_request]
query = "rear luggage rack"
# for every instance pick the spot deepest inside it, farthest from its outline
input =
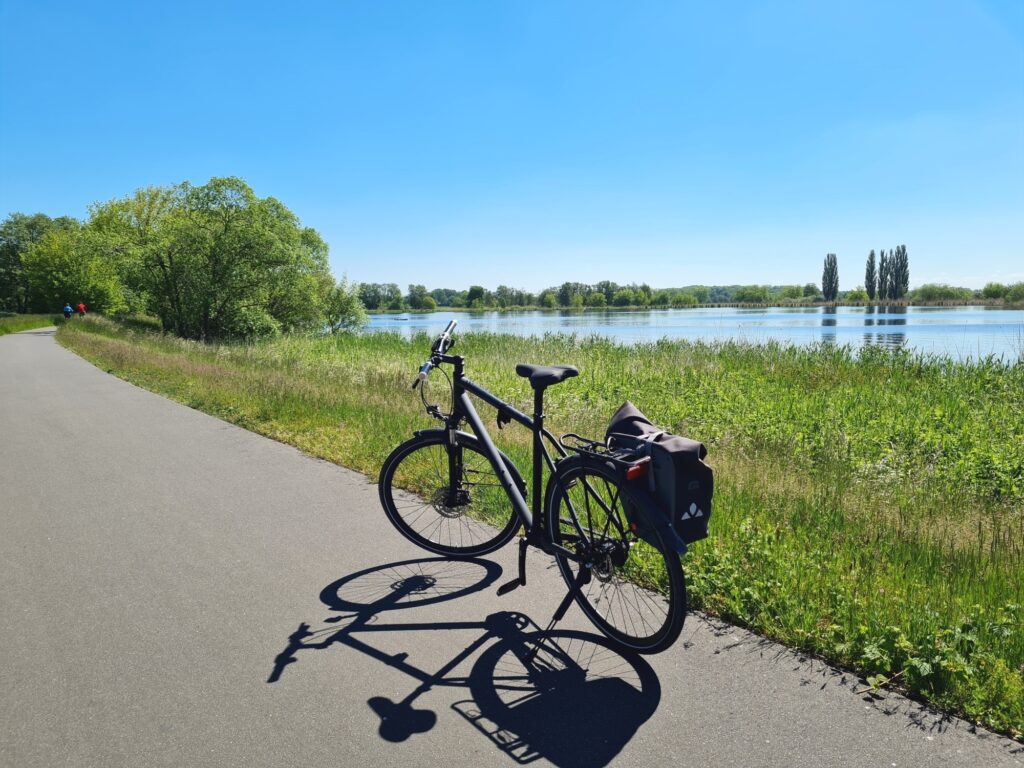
(630, 460)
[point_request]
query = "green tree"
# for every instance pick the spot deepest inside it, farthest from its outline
(993, 291)
(371, 295)
(608, 288)
(344, 310)
(751, 294)
(857, 294)
(700, 292)
(684, 299)
(64, 267)
(830, 278)
(625, 297)
(391, 296)
(884, 276)
(870, 275)
(216, 261)
(477, 297)
(18, 233)
(811, 291)
(791, 292)
(504, 296)
(940, 292)
(548, 299)
(417, 296)
(444, 296)
(566, 292)
(900, 280)
(663, 297)
(596, 299)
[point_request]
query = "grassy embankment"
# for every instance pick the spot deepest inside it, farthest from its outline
(869, 510)
(16, 323)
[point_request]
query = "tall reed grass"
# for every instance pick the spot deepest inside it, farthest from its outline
(869, 506)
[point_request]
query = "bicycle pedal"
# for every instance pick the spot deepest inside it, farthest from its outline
(504, 589)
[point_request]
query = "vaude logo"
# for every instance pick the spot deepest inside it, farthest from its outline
(694, 511)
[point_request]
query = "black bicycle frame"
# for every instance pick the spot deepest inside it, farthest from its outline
(463, 409)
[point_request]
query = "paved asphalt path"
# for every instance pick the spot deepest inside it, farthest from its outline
(180, 592)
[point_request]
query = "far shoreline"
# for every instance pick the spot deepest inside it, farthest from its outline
(980, 303)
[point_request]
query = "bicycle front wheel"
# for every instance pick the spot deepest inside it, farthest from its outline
(634, 590)
(445, 498)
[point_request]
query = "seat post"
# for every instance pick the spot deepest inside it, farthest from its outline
(538, 451)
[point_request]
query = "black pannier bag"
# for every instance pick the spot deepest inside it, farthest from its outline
(679, 478)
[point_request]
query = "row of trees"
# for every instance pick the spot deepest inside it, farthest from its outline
(891, 280)
(568, 295)
(211, 262)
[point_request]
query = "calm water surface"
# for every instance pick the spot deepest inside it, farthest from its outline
(957, 332)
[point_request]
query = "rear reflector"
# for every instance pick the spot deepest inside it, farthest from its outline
(639, 469)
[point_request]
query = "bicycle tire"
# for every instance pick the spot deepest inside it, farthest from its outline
(415, 494)
(636, 591)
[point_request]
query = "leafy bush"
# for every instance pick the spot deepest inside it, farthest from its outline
(940, 292)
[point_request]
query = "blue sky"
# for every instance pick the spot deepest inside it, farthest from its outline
(529, 143)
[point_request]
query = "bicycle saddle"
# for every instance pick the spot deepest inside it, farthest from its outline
(541, 376)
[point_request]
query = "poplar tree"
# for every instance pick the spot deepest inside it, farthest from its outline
(870, 275)
(901, 273)
(830, 278)
(883, 276)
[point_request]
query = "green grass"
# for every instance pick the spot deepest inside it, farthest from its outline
(868, 509)
(16, 323)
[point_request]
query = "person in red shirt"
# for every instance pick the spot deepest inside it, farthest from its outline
(81, 309)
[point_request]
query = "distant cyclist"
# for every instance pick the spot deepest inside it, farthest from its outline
(67, 311)
(81, 309)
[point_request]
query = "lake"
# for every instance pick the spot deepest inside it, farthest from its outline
(957, 332)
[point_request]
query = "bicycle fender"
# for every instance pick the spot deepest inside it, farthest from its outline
(649, 515)
(442, 432)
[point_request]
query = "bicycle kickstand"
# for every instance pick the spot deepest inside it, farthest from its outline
(581, 578)
(520, 580)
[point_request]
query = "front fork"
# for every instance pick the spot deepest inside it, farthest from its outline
(457, 495)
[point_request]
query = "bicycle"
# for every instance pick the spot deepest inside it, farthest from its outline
(446, 490)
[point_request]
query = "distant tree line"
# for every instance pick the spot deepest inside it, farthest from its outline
(570, 295)
(211, 262)
(389, 296)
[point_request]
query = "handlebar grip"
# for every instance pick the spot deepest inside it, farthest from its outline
(444, 342)
(422, 375)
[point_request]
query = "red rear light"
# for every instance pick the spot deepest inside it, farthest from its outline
(639, 469)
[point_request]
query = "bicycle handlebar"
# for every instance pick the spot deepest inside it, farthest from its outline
(441, 345)
(444, 341)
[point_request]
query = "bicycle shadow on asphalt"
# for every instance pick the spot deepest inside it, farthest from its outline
(566, 696)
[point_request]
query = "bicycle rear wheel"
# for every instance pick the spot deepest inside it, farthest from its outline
(447, 499)
(635, 591)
